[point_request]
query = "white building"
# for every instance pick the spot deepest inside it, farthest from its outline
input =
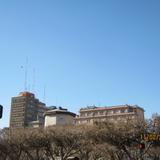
(59, 116)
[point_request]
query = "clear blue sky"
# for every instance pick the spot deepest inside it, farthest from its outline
(85, 52)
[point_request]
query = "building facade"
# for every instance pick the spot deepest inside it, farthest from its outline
(26, 111)
(92, 114)
(156, 122)
(59, 116)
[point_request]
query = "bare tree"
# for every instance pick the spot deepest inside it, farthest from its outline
(102, 141)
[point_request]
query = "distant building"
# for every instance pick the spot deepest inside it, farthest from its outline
(27, 111)
(92, 114)
(59, 116)
(156, 122)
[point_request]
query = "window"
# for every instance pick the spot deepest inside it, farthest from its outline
(105, 112)
(88, 120)
(100, 112)
(122, 110)
(110, 112)
(130, 109)
(82, 115)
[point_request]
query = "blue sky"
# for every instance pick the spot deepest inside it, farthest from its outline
(84, 52)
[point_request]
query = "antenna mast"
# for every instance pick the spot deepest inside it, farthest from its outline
(44, 94)
(33, 85)
(26, 74)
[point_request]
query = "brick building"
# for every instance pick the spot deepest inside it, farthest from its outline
(26, 111)
(92, 114)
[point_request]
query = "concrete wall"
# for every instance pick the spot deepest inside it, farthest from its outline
(50, 120)
(58, 119)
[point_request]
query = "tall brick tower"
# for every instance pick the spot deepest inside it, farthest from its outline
(26, 110)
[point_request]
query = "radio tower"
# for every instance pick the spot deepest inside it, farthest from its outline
(25, 75)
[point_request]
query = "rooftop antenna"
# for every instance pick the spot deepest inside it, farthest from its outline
(26, 74)
(29, 87)
(33, 85)
(44, 94)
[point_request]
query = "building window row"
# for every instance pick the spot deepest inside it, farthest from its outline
(106, 112)
(17, 110)
(18, 106)
(18, 100)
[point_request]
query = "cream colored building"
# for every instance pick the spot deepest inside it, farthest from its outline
(59, 116)
(92, 114)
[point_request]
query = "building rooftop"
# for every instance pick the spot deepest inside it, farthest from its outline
(59, 110)
(94, 108)
(26, 94)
